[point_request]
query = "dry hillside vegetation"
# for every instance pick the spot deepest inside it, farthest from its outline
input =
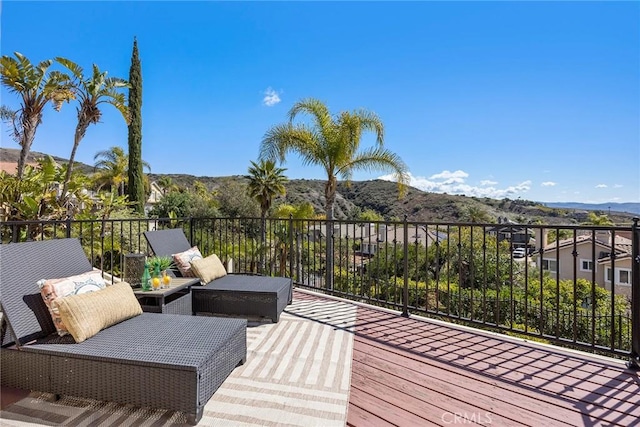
(382, 197)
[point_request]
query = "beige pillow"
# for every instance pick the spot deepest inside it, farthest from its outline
(54, 289)
(208, 269)
(87, 314)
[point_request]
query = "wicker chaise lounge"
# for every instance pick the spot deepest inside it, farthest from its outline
(232, 295)
(163, 361)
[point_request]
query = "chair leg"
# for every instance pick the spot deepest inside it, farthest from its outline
(194, 419)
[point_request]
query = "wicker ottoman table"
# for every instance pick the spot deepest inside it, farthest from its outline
(243, 295)
(175, 300)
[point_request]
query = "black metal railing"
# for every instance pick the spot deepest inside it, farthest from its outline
(577, 286)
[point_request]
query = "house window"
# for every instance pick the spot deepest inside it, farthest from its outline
(550, 264)
(623, 276)
(586, 265)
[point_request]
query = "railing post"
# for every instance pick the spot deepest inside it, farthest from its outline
(263, 244)
(291, 247)
(634, 359)
(68, 225)
(405, 294)
(191, 230)
(329, 252)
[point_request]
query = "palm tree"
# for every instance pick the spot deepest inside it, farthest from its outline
(333, 143)
(91, 92)
(166, 183)
(36, 87)
(300, 214)
(476, 214)
(266, 181)
(113, 163)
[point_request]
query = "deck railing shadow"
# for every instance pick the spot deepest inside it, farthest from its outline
(601, 390)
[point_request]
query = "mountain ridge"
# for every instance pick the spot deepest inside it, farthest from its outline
(629, 207)
(382, 197)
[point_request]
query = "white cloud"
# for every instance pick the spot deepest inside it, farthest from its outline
(486, 182)
(271, 97)
(548, 184)
(449, 177)
(601, 186)
(617, 186)
(455, 183)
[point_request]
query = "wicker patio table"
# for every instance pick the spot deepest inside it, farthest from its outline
(175, 300)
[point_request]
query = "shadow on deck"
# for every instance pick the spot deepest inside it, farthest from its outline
(416, 371)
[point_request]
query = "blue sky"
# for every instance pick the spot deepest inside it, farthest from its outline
(538, 100)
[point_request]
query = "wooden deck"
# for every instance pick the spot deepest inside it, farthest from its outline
(410, 372)
(417, 372)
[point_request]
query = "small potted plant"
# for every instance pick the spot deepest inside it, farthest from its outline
(160, 266)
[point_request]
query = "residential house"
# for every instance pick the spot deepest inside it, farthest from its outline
(154, 197)
(618, 270)
(520, 236)
(590, 256)
(372, 236)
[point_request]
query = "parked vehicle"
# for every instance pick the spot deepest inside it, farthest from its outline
(519, 252)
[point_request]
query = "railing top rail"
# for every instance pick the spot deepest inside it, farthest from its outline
(398, 224)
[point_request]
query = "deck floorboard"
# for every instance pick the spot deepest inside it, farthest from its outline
(405, 368)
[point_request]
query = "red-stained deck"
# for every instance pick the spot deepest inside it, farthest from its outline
(410, 372)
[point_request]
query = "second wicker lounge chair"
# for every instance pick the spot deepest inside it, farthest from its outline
(243, 295)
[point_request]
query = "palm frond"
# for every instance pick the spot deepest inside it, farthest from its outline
(378, 158)
(7, 114)
(275, 141)
(10, 74)
(120, 106)
(369, 121)
(75, 69)
(314, 107)
(287, 138)
(115, 82)
(12, 117)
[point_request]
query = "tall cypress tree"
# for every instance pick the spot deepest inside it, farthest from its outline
(136, 177)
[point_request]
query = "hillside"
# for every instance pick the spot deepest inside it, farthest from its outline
(633, 208)
(382, 197)
(417, 205)
(11, 155)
